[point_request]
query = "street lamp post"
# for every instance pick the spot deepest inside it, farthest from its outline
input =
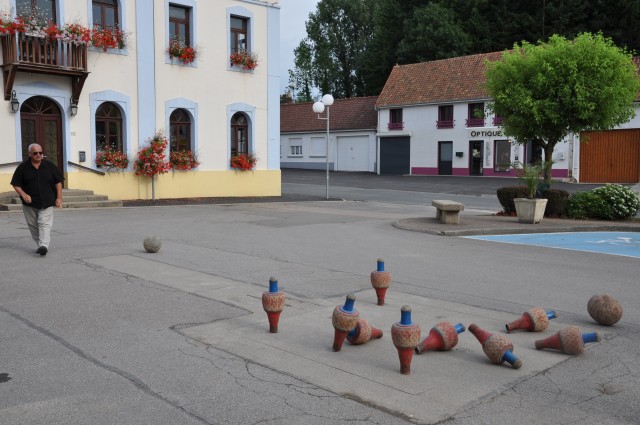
(318, 108)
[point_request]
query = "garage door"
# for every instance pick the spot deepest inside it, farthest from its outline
(353, 153)
(395, 155)
(610, 156)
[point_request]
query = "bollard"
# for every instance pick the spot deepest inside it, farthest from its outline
(344, 319)
(273, 303)
(405, 335)
(363, 332)
(380, 280)
(569, 340)
(442, 337)
(534, 320)
(497, 347)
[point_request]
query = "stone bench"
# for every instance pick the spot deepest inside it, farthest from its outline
(448, 212)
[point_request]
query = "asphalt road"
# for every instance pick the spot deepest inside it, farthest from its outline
(473, 192)
(101, 332)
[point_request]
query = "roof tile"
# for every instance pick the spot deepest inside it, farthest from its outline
(445, 80)
(355, 113)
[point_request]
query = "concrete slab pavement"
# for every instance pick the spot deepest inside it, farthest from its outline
(440, 383)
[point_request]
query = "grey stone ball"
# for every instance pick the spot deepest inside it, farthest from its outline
(152, 244)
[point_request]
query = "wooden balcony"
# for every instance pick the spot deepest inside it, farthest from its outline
(40, 55)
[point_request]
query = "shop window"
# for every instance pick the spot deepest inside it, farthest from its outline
(395, 119)
(180, 131)
(476, 115)
(502, 160)
(445, 116)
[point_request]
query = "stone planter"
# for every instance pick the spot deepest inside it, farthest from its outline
(530, 210)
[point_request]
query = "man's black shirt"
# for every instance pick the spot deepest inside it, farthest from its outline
(39, 183)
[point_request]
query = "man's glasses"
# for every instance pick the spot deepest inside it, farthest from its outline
(36, 153)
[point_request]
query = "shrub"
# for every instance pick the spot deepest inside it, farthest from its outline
(556, 202)
(506, 195)
(609, 202)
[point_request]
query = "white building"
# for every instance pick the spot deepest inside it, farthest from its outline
(432, 120)
(73, 98)
(352, 136)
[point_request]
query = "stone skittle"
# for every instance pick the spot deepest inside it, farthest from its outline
(380, 280)
(405, 335)
(497, 347)
(363, 332)
(273, 303)
(442, 337)
(344, 319)
(569, 340)
(534, 320)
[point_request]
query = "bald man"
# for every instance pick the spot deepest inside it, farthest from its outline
(39, 184)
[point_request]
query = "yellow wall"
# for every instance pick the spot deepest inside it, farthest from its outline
(177, 184)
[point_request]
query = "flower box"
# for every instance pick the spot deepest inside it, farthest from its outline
(243, 162)
(244, 59)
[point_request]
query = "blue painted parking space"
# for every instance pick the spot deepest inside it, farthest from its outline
(614, 243)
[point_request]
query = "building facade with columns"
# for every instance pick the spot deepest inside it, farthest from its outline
(75, 97)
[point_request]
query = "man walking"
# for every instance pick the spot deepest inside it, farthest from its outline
(39, 184)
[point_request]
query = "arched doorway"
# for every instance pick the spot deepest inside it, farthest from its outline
(41, 123)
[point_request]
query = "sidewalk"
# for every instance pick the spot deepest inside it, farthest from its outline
(472, 225)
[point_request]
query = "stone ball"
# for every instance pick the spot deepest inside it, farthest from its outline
(152, 244)
(604, 309)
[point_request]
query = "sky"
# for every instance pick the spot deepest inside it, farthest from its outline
(293, 15)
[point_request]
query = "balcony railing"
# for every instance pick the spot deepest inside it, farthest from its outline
(395, 126)
(475, 122)
(444, 123)
(34, 53)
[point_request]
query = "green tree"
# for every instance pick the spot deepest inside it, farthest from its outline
(546, 91)
(337, 35)
(382, 52)
(432, 33)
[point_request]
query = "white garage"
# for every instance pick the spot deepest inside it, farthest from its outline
(353, 153)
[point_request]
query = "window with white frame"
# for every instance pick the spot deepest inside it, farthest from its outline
(296, 150)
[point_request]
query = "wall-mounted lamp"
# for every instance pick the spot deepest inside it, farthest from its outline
(15, 105)
(74, 108)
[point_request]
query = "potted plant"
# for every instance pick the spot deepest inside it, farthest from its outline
(530, 209)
